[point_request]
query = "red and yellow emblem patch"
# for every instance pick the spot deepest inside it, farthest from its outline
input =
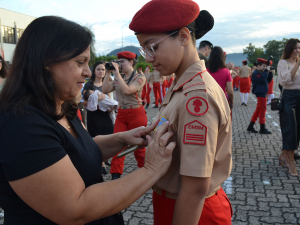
(197, 106)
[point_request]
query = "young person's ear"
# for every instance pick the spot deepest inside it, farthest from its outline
(184, 36)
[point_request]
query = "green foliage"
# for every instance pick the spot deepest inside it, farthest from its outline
(143, 65)
(273, 47)
(106, 58)
(141, 59)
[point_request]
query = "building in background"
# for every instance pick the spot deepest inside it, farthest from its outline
(12, 26)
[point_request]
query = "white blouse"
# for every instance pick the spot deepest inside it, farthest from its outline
(285, 77)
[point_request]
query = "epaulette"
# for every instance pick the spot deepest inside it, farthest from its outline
(196, 83)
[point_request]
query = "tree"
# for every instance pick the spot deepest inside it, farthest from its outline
(253, 53)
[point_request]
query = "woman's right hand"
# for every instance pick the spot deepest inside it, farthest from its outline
(159, 154)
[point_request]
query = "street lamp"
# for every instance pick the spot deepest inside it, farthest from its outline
(122, 34)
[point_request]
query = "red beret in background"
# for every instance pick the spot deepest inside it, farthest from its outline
(262, 60)
(149, 67)
(140, 68)
(244, 61)
(164, 15)
(126, 55)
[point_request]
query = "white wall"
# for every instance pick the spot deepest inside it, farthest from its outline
(8, 51)
(9, 17)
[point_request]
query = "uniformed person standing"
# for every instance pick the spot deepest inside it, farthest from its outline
(197, 110)
(244, 74)
(148, 85)
(270, 95)
(236, 80)
(156, 80)
(260, 79)
(131, 113)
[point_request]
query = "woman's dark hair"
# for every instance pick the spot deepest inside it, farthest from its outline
(289, 48)
(45, 41)
(92, 79)
(198, 28)
(216, 59)
(4, 68)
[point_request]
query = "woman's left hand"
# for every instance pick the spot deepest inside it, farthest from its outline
(138, 135)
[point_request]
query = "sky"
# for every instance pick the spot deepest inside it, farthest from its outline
(237, 23)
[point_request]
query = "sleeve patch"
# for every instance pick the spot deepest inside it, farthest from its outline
(140, 80)
(258, 75)
(197, 106)
(195, 133)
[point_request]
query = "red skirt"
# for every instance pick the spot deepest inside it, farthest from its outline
(270, 85)
(245, 85)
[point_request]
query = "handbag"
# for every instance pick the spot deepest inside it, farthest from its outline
(277, 103)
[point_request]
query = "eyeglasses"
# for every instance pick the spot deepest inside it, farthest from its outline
(149, 48)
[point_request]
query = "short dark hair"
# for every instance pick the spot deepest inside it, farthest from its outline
(289, 48)
(255, 64)
(46, 40)
(203, 44)
(216, 59)
(245, 63)
(260, 63)
(3, 71)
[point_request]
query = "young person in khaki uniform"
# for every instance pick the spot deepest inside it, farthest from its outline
(147, 86)
(244, 74)
(156, 79)
(131, 113)
(198, 112)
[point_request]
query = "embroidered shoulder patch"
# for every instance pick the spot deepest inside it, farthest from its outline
(161, 122)
(258, 75)
(197, 106)
(195, 133)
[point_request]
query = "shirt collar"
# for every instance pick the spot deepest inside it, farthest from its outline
(190, 73)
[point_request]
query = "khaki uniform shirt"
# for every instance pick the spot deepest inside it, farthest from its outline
(138, 81)
(156, 76)
(148, 77)
(245, 71)
(199, 116)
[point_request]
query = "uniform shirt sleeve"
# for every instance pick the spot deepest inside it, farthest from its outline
(139, 82)
(284, 73)
(29, 144)
(198, 127)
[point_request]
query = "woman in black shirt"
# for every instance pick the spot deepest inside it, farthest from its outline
(50, 167)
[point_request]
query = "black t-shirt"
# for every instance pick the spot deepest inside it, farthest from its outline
(31, 142)
(90, 86)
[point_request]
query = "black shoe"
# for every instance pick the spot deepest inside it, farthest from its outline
(155, 106)
(251, 128)
(296, 156)
(263, 129)
(107, 163)
(153, 103)
(115, 176)
(243, 103)
(147, 105)
(143, 103)
(103, 170)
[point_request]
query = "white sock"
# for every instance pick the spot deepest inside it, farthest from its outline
(242, 97)
(246, 97)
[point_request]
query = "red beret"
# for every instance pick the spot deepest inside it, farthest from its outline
(262, 60)
(149, 67)
(164, 15)
(140, 68)
(271, 63)
(126, 55)
(244, 61)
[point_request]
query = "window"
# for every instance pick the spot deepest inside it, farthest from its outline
(8, 35)
(19, 33)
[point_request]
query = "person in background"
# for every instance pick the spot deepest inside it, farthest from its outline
(217, 69)
(50, 167)
(270, 94)
(205, 48)
(147, 86)
(261, 77)
(245, 76)
(236, 80)
(3, 72)
(131, 113)
(288, 70)
(156, 80)
(164, 86)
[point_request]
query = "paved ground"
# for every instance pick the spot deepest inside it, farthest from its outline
(261, 192)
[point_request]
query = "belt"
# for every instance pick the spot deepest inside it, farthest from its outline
(130, 107)
(174, 196)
